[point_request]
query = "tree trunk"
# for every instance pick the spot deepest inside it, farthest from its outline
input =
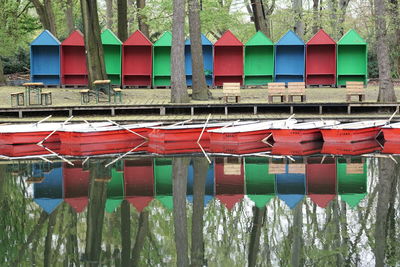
(69, 15)
(200, 90)
(386, 89)
(95, 212)
(122, 7)
(297, 233)
(316, 21)
(143, 27)
(298, 11)
(259, 17)
(49, 239)
(125, 233)
(258, 221)
(143, 228)
(332, 6)
(179, 92)
(46, 15)
(387, 176)
(94, 47)
(109, 14)
(2, 76)
(343, 4)
(200, 169)
(179, 168)
(395, 21)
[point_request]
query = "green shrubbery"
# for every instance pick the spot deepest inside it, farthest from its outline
(18, 62)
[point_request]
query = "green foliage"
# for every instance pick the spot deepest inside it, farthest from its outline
(18, 62)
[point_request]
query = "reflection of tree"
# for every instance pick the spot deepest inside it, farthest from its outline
(258, 221)
(386, 188)
(180, 172)
(200, 168)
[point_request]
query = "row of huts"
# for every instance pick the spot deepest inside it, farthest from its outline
(138, 62)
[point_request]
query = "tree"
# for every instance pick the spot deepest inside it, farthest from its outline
(386, 89)
(122, 16)
(178, 78)
(69, 15)
(258, 222)
(200, 91)
(260, 15)
(143, 27)
(316, 17)
(46, 15)
(2, 76)
(109, 13)
(298, 11)
(94, 47)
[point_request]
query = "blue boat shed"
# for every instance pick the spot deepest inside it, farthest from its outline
(289, 58)
(290, 187)
(49, 193)
(207, 60)
(209, 187)
(45, 59)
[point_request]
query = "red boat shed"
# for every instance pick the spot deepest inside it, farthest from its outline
(229, 181)
(76, 186)
(321, 180)
(137, 60)
(321, 60)
(139, 182)
(73, 60)
(228, 60)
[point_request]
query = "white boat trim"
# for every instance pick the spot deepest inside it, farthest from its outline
(201, 126)
(107, 128)
(395, 125)
(356, 125)
(46, 127)
(309, 125)
(259, 126)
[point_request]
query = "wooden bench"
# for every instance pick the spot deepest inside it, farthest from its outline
(296, 89)
(18, 98)
(355, 89)
(276, 89)
(85, 98)
(117, 95)
(231, 89)
(46, 98)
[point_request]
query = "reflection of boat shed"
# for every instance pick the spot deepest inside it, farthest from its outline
(45, 59)
(289, 58)
(163, 181)
(229, 181)
(260, 184)
(115, 190)
(291, 185)
(209, 186)
(139, 182)
(207, 60)
(321, 180)
(352, 180)
(76, 186)
(49, 193)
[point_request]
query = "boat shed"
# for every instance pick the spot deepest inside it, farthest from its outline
(162, 61)
(352, 59)
(207, 60)
(321, 60)
(289, 58)
(73, 60)
(112, 56)
(258, 60)
(228, 60)
(45, 59)
(137, 61)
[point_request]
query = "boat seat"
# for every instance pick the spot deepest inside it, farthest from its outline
(85, 98)
(231, 89)
(276, 89)
(355, 89)
(296, 89)
(17, 99)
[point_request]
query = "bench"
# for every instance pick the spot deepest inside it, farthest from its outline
(117, 95)
(355, 89)
(84, 96)
(296, 89)
(17, 98)
(276, 89)
(231, 89)
(46, 98)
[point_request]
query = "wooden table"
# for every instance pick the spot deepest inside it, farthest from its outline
(100, 85)
(35, 88)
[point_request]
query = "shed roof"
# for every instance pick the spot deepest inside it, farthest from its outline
(138, 38)
(228, 39)
(45, 38)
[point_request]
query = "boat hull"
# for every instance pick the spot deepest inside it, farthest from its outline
(28, 150)
(27, 138)
(179, 135)
(239, 137)
(102, 136)
(358, 148)
(102, 148)
(239, 148)
(391, 134)
(296, 149)
(296, 136)
(184, 147)
(349, 135)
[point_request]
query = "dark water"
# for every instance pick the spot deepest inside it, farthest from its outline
(167, 211)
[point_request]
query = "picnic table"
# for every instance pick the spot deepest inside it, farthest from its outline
(102, 86)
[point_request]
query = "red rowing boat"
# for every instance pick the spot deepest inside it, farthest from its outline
(189, 133)
(301, 132)
(79, 150)
(247, 133)
(357, 148)
(352, 132)
(239, 148)
(296, 149)
(107, 134)
(28, 150)
(391, 132)
(391, 148)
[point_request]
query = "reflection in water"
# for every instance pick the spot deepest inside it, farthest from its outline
(237, 210)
